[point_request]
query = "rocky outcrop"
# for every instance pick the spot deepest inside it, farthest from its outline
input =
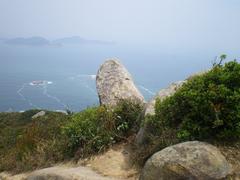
(142, 134)
(169, 91)
(161, 95)
(114, 83)
(200, 73)
(189, 160)
(61, 173)
(39, 114)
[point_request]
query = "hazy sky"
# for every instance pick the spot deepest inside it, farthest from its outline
(191, 23)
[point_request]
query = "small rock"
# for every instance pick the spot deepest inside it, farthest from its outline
(39, 114)
(62, 111)
(200, 73)
(114, 83)
(189, 160)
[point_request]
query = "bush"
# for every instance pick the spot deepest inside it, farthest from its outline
(206, 107)
(39, 143)
(27, 144)
(95, 129)
(11, 126)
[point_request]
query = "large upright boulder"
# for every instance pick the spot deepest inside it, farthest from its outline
(189, 160)
(114, 83)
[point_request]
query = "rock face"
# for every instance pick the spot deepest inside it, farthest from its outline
(150, 108)
(114, 83)
(162, 94)
(61, 173)
(189, 160)
(39, 114)
(198, 74)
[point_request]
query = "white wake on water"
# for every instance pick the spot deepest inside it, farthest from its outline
(44, 85)
(84, 81)
(45, 92)
(19, 92)
(147, 90)
(83, 77)
(92, 76)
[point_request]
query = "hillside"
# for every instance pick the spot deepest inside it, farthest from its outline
(39, 41)
(32, 41)
(189, 130)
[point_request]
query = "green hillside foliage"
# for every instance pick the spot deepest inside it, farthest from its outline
(27, 144)
(95, 129)
(206, 107)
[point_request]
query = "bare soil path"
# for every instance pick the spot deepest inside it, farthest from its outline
(111, 165)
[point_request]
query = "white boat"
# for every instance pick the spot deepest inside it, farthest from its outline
(40, 83)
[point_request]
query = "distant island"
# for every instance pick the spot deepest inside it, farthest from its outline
(32, 41)
(80, 40)
(41, 41)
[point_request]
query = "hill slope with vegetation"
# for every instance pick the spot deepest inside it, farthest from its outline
(27, 144)
(205, 108)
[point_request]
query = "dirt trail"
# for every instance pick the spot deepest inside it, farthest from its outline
(59, 173)
(111, 165)
(115, 163)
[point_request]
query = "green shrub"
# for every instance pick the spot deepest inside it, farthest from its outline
(86, 131)
(27, 144)
(11, 126)
(95, 129)
(39, 143)
(206, 107)
(127, 117)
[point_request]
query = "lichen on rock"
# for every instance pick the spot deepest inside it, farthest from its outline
(114, 83)
(189, 160)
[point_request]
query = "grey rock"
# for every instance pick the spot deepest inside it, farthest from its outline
(114, 83)
(200, 73)
(189, 160)
(162, 94)
(62, 111)
(142, 135)
(39, 114)
(63, 173)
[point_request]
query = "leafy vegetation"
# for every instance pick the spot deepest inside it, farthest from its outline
(95, 129)
(205, 108)
(27, 143)
(11, 126)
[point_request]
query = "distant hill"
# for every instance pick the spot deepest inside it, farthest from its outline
(32, 41)
(41, 41)
(80, 40)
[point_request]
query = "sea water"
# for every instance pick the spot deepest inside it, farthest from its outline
(69, 72)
